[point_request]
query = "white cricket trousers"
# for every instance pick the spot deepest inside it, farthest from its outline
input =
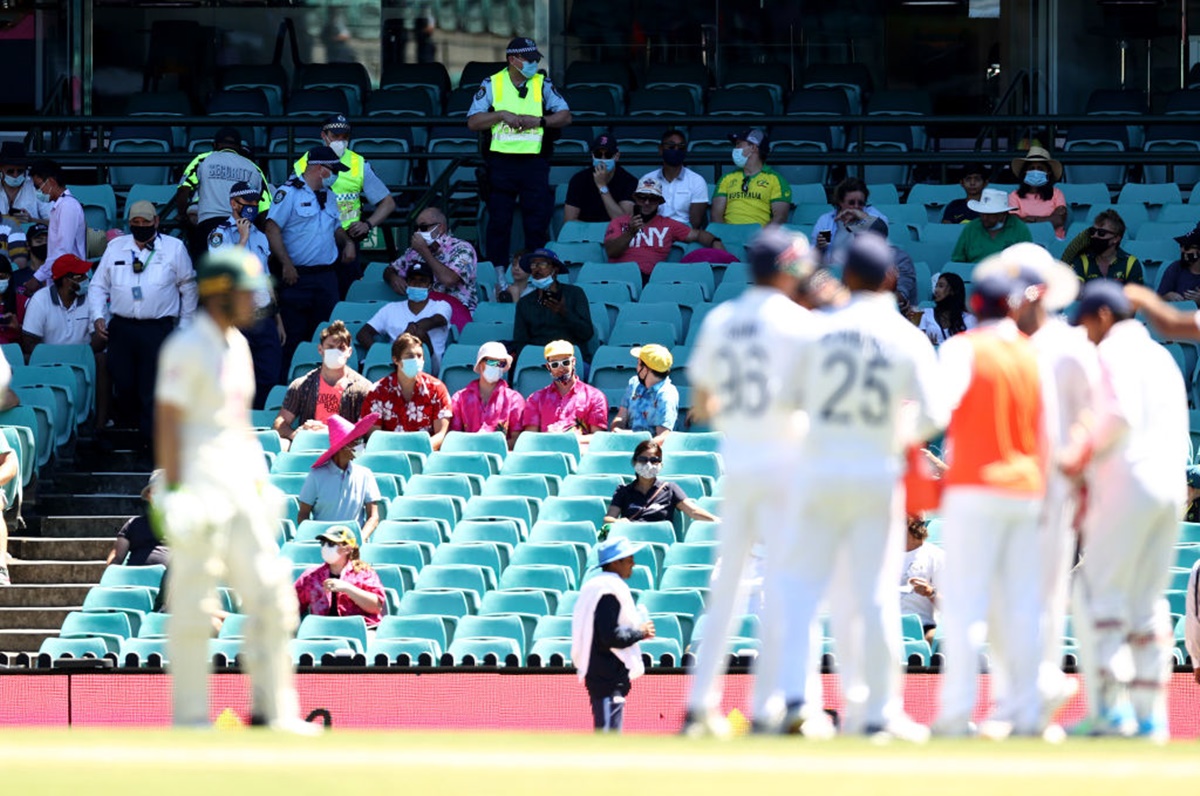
(993, 588)
(1057, 540)
(234, 543)
(1129, 542)
(850, 542)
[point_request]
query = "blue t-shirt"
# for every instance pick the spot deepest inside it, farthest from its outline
(338, 495)
(651, 407)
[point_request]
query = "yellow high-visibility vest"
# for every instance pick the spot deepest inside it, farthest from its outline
(506, 139)
(347, 189)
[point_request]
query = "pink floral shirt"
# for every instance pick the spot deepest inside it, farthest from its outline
(430, 401)
(457, 255)
(502, 412)
(311, 593)
(549, 411)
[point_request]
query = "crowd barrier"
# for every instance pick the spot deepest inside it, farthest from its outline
(447, 701)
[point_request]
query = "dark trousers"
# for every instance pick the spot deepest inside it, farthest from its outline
(608, 711)
(513, 179)
(267, 352)
(306, 305)
(133, 347)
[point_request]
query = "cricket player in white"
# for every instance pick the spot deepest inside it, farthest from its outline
(1138, 442)
(737, 370)
(1069, 375)
(219, 512)
(1191, 620)
(867, 381)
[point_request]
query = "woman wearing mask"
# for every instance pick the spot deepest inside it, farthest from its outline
(1102, 256)
(1036, 199)
(850, 214)
(948, 316)
(1180, 281)
(649, 498)
(488, 403)
(344, 585)
(337, 489)
(410, 399)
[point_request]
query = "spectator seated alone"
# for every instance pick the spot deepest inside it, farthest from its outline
(337, 489)
(332, 388)
(344, 585)
(648, 498)
(137, 544)
(1180, 281)
(410, 399)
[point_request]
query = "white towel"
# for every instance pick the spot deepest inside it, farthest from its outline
(583, 620)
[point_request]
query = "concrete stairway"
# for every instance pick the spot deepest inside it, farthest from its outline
(60, 554)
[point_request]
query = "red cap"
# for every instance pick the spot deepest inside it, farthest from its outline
(69, 264)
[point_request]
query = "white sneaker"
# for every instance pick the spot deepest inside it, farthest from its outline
(995, 730)
(901, 728)
(708, 724)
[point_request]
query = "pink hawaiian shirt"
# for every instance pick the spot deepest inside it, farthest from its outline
(547, 410)
(313, 597)
(430, 401)
(502, 412)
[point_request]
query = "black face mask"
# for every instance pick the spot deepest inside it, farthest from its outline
(1098, 245)
(143, 234)
(1190, 257)
(39, 251)
(674, 157)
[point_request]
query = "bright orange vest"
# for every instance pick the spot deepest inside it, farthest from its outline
(995, 434)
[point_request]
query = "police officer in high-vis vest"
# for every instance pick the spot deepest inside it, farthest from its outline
(514, 108)
(357, 181)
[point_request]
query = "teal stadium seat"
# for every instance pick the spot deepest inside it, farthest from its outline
(546, 650)
(529, 602)
(154, 625)
(586, 509)
(563, 531)
(132, 601)
(455, 485)
(495, 626)
(483, 649)
(420, 651)
(530, 485)
(468, 578)
(112, 628)
(74, 647)
(480, 554)
(350, 629)
(502, 530)
(553, 442)
(141, 649)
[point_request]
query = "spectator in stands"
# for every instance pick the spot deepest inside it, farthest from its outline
(645, 237)
(650, 402)
(566, 404)
(995, 230)
(265, 337)
(605, 630)
(18, 199)
(10, 319)
(137, 545)
(851, 214)
(488, 403)
(307, 239)
(67, 226)
(1180, 281)
(208, 179)
(453, 261)
(648, 498)
(604, 191)
(59, 316)
(332, 388)
(918, 581)
(753, 193)
(146, 280)
(554, 310)
(902, 278)
(973, 180)
(519, 288)
(338, 490)
(349, 188)
(519, 112)
(1103, 257)
(418, 315)
(685, 193)
(1036, 198)
(344, 585)
(410, 399)
(35, 252)
(10, 469)
(1192, 513)
(948, 316)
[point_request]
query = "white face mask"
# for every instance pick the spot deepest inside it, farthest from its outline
(338, 147)
(647, 470)
(358, 449)
(429, 236)
(335, 358)
(492, 373)
(330, 555)
(4, 285)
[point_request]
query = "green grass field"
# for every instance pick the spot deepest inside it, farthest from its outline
(168, 763)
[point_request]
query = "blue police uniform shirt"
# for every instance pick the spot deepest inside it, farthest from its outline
(552, 101)
(226, 234)
(308, 227)
(651, 407)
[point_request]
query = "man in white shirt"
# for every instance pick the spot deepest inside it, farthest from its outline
(68, 226)
(685, 193)
(17, 195)
(147, 282)
(923, 562)
(59, 316)
(425, 318)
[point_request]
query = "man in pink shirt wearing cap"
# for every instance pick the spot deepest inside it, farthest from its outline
(566, 404)
(645, 237)
(488, 403)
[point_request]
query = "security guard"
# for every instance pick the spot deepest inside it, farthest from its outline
(215, 505)
(307, 239)
(349, 188)
(514, 107)
(147, 282)
(210, 174)
(266, 335)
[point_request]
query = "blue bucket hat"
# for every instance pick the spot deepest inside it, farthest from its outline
(541, 254)
(612, 550)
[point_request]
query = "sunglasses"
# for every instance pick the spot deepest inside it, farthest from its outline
(674, 146)
(427, 227)
(1101, 233)
(327, 543)
(495, 363)
(560, 363)
(649, 460)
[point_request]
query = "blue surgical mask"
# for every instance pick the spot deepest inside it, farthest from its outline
(411, 367)
(543, 283)
(14, 182)
(608, 164)
(417, 294)
(327, 182)
(529, 69)
(249, 212)
(41, 196)
(740, 158)
(83, 286)
(1036, 179)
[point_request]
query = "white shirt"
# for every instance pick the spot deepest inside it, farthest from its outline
(394, 318)
(67, 235)
(1141, 411)
(1191, 625)
(26, 200)
(1070, 372)
(743, 357)
(933, 330)
(926, 563)
(47, 318)
(680, 194)
(165, 289)
(868, 381)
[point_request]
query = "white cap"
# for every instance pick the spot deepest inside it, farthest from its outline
(493, 350)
